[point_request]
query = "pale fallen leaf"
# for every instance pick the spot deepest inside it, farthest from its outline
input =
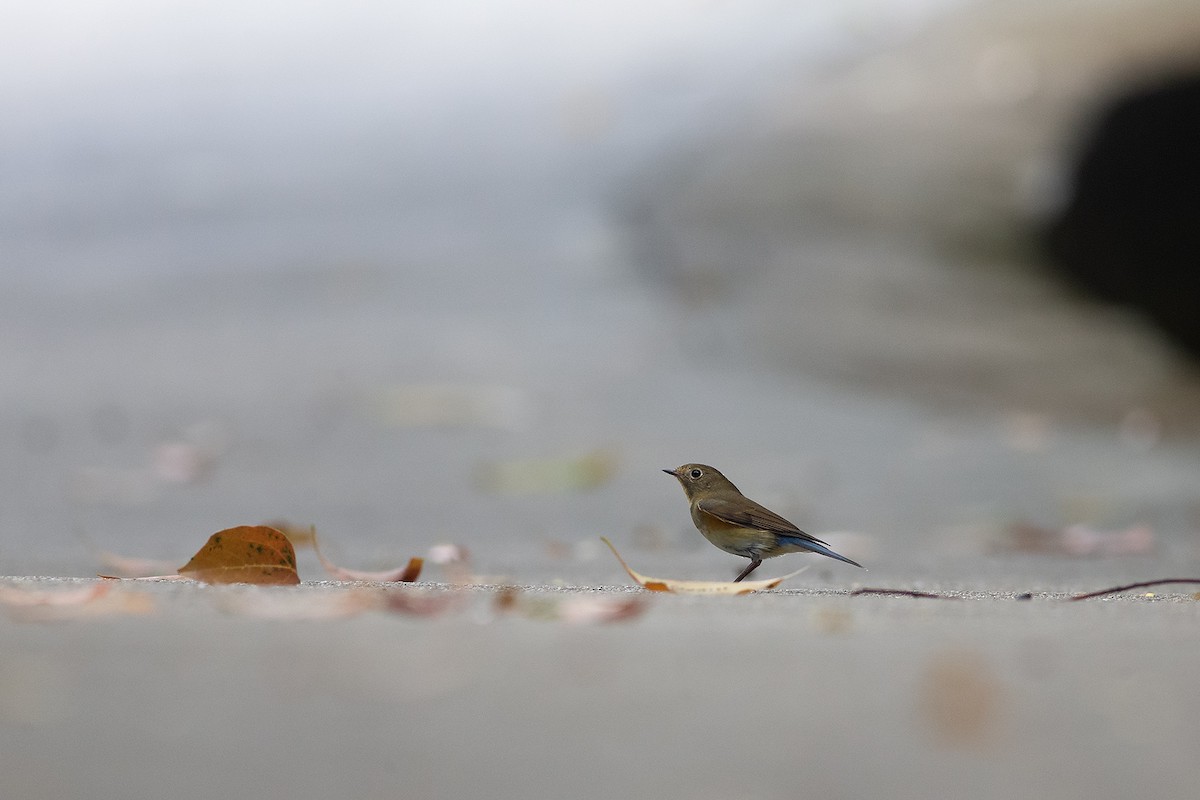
(126, 566)
(405, 574)
(95, 600)
(446, 553)
(571, 609)
(180, 463)
(699, 587)
(192, 456)
(175, 577)
(593, 610)
(455, 561)
(420, 604)
(588, 471)
(134, 567)
(14, 596)
(302, 605)
(1080, 540)
(245, 554)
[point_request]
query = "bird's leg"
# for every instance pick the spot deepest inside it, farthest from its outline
(754, 562)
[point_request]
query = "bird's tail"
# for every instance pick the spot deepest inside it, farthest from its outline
(820, 547)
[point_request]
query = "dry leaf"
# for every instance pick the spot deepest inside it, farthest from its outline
(406, 574)
(699, 587)
(581, 610)
(419, 604)
(302, 605)
(245, 554)
(12, 596)
(1079, 540)
(98, 599)
(571, 609)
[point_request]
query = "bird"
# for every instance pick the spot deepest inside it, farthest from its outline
(737, 524)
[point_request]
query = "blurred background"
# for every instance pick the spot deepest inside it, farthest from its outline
(914, 274)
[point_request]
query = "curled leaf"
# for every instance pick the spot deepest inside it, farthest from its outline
(699, 587)
(405, 574)
(245, 554)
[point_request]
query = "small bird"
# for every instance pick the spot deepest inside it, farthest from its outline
(737, 524)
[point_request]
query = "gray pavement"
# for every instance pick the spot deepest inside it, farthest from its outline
(797, 693)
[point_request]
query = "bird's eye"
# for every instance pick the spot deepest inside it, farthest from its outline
(695, 474)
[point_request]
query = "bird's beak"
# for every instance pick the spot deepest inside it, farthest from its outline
(669, 471)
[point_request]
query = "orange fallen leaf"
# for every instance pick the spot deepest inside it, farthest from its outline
(44, 605)
(699, 587)
(406, 574)
(245, 554)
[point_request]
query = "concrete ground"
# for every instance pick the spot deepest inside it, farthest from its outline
(798, 692)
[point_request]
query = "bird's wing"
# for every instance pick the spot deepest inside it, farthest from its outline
(749, 514)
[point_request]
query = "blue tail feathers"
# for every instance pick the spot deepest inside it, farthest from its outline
(818, 547)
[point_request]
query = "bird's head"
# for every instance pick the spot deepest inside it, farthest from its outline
(700, 479)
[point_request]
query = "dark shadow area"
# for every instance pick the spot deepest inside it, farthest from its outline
(1130, 231)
